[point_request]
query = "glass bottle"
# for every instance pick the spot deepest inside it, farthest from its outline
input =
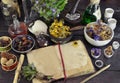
(17, 28)
(6, 11)
(92, 12)
(9, 8)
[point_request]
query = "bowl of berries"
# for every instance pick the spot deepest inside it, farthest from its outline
(98, 33)
(23, 44)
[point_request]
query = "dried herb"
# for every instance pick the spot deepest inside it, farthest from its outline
(29, 72)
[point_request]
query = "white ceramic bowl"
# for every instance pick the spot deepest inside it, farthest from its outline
(97, 42)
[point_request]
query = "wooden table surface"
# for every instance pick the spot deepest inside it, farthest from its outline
(111, 75)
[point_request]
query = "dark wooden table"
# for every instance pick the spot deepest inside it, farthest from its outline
(111, 75)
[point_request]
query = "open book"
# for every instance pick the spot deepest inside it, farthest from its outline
(76, 59)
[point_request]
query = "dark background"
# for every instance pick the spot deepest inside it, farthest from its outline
(112, 75)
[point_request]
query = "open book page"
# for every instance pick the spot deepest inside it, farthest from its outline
(76, 59)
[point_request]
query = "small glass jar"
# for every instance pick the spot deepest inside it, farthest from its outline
(108, 52)
(95, 52)
(17, 28)
(42, 40)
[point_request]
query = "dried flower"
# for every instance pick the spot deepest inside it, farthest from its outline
(95, 52)
(99, 32)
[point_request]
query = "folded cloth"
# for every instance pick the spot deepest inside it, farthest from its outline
(76, 60)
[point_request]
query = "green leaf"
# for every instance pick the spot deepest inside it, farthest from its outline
(29, 71)
(45, 11)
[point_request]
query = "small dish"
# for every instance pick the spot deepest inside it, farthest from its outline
(108, 52)
(23, 43)
(99, 63)
(5, 43)
(37, 27)
(42, 40)
(115, 45)
(96, 52)
(8, 61)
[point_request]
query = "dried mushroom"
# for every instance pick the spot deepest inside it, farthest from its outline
(3, 60)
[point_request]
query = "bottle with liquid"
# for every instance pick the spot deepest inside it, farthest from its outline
(9, 8)
(92, 12)
(17, 28)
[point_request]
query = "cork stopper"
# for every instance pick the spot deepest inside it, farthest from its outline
(94, 1)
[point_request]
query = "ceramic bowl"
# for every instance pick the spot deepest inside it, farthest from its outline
(5, 43)
(6, 61)
(97, 42)
(23, 43)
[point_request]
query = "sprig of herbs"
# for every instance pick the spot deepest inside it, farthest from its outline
(29, 72)
(49, 9)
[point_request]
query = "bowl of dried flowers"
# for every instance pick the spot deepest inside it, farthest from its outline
(98, 33)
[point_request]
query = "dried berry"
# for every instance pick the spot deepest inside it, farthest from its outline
(23, 43)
